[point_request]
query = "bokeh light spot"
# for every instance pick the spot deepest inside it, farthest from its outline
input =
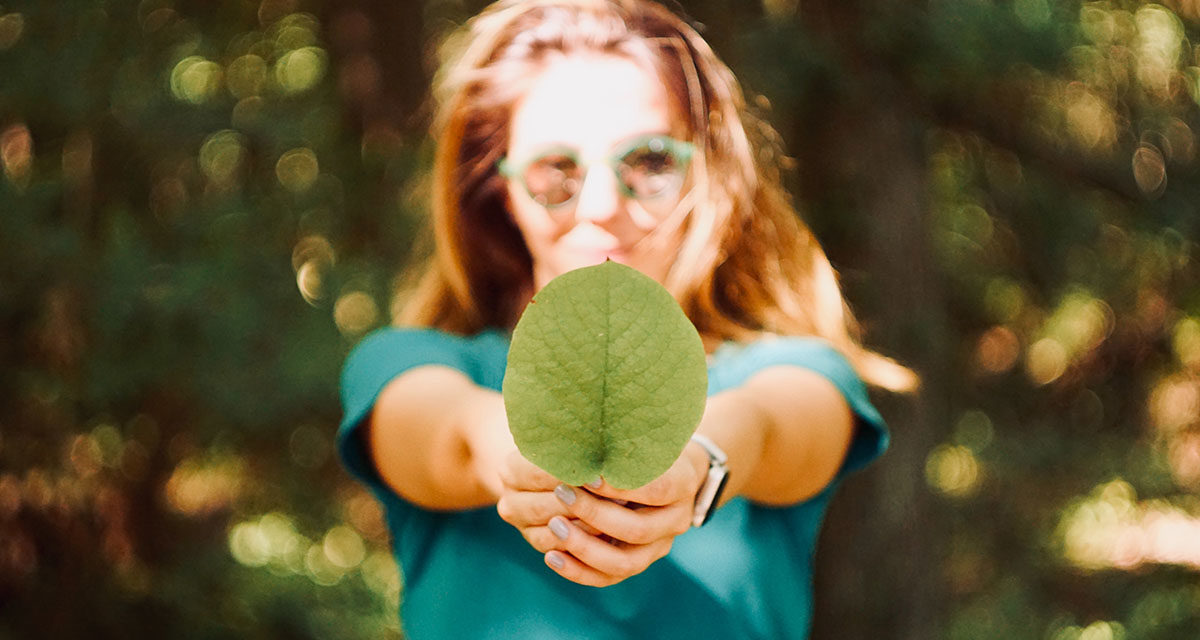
(295, 32)
(270, 11)
(1090, 119)
(380, 573)
(997, 351)
(222, 155)
(1004, 299)
(974, 430)
(199, 487)
(246, 75)
(109, 444)
(12, 25)
(279, 530)
(355, 312)
(312, 258)
(16, 154)
(1160, 42)
(952, 470)
(363, 511)
(1046, 361)
(248, 545)
(297, 169)
(344, 547)
(1175, 403)
(1186, 342)
(1097, 24)
(1080, 323)
(1184, 457)
(195, 79)
(248, 112)
(319, 568)
(1181, 140)
(300, 70)
(1149, 170)
(310, 282)
(309, 446)
(85, 456)
(1110, 528)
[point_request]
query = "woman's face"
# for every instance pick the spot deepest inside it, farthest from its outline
(590, 140)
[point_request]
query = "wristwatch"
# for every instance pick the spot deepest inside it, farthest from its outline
(714, 483)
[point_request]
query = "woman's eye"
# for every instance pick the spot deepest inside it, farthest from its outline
(552, 179)
(649, 162)
(550, 169)
(648, 173)
(562, 163)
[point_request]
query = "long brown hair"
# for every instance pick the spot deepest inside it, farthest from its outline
(747, 266)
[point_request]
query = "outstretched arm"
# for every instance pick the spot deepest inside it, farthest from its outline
(439, 440)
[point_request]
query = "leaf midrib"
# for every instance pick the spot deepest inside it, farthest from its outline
(604, 435)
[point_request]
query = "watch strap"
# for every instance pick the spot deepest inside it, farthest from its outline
(709, 494)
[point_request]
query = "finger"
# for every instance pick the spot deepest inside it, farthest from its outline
(544, 538)
(564, 565)
(635, 526)
(620, 561)
(672, 486)
(520, 473)
(541, 538)
(529, 508)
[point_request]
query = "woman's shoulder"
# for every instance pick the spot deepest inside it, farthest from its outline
(387, 352)
(744, 359)
(734, 363)
(426, 338)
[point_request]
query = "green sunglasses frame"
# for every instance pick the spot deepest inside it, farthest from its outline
(682, 151)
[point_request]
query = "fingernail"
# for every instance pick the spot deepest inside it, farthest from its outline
(555, 559)
(558, 527)
(565, 493)
(595, 484)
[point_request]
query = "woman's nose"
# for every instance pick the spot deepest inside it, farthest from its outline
(599, 197)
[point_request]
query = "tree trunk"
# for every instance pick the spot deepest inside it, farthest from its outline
(863, 164)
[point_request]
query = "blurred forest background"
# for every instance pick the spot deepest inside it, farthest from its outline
(205, 203)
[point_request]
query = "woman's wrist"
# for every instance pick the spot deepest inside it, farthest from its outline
(735, 423)
(486, 441)
(698, 461)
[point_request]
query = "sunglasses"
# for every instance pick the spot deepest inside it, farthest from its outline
(647, 167)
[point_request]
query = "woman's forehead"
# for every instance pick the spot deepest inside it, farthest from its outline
(589, 101)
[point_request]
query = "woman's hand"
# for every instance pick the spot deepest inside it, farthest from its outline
(598, 535)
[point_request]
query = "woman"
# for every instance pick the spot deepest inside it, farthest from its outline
(570, 132)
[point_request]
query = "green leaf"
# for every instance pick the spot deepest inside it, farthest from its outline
(606, 377)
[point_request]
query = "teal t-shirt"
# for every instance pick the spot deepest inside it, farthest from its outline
(746, 574)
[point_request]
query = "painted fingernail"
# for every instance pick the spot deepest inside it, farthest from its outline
(558, 527)
(595, 484)
(555, 559)
(565, 493)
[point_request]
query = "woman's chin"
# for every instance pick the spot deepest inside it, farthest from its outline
(578, 260)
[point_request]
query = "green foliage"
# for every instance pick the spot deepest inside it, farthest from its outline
(606, 377)
(175, 179)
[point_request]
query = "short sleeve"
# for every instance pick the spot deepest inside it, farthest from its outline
(871, 434)
(387, 353)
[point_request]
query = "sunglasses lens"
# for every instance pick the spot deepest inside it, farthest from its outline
(650, 170)
(553, 179)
